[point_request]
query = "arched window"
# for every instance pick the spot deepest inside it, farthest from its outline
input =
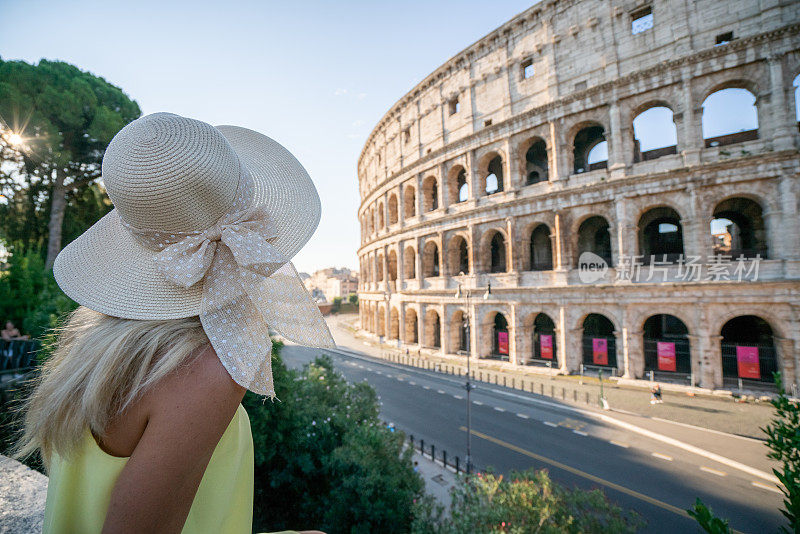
(494, 176)
(457, 256)
(544, 339)
(748, 349)
(394, 324)
(654, 134)
(730, 116)
(459, 331)
(430, 194)
(590, 150)
(391, 266)
(660, 235)
(738, 229)
(409, 263)
(380, 267)
(430, 260)
(500, 337)
(381, 321)
(541, 249)
(497, 254)
(594, 237)
(796, 85)
(411, 327)
(599, 343)
(409, 202)
(381, 225)
(393, 209)
(462, 187)
(536, 163)
(433, 330)
(666, 345)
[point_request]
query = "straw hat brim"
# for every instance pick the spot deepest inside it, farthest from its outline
(106, 270)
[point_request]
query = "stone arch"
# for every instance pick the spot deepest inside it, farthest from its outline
(492, 172)
(433, 329)
(394, 324)
(654, 132)
(587, 147)
(459, 331)
(495, 335)
(494, 257)
(393, 209)
(409, 201)
(430, 260)
(411, 327)
(738, 228)
(748, 349)
(457, 255)
(409, 263)
(458, 184)
(665, 339)
(534, 160)
(540, 250)
(381, 222)
(599, 341)
(660, 234)
(381, 330)
(391, 265)
(543, 338)
(730, 114)
(380, 268)
(594, 236)
(430, 194)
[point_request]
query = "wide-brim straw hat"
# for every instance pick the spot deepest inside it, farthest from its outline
(172, 178)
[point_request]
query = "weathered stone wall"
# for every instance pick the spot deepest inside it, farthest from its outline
(589, 70)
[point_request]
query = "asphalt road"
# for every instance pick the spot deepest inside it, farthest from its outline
(518, 430)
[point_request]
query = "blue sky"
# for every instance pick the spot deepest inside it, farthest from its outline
(315, 76)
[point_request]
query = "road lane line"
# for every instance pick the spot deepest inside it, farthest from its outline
(412, 383)
(499, 409)
(379, 372)
(662, 456)
(766, 487)
(548, 423)
(580, 432)
(401, 379)
(459, 397)
(713, 471)
(523, 416)
(479, 403)
(583, 474)
(440, 391)
(619, 444)
(426, 387)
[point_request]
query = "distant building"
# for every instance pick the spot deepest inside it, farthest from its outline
(327, 284)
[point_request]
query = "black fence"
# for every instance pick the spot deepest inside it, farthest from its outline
(18, 355)
(440, 456)
(588, 348)
(683, 358)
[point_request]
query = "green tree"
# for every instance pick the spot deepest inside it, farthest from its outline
(324, 460)
(523, 502)
(353, 298)
(56, 123)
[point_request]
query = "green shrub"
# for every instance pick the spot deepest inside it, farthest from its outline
(324, 460)
(527, 501)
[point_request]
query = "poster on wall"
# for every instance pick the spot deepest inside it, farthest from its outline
(665, 350)
(600, 351)
(546, 346)
(747, 362)
(502, 342)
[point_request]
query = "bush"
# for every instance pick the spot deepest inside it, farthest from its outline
(324, 460)
(353, 298)
(527, 501)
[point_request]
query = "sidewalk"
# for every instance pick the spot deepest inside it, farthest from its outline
(715, 412)
(438, 480)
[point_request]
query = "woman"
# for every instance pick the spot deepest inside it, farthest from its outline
(137, 413)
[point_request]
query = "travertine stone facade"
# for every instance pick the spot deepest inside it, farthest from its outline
(519, 114)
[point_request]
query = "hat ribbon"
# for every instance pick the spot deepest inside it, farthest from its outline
(248, 235)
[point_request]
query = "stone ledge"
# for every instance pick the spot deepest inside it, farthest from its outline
(23, 492)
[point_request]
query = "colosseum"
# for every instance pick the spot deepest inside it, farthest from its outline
(596, 184)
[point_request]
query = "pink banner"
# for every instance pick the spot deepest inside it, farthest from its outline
(600, 351)
(747, 362)
(546, 346)
(502, 342)
(666, 356)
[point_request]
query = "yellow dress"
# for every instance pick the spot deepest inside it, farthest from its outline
(80, 489)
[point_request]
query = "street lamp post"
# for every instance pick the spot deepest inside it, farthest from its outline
(468, 385)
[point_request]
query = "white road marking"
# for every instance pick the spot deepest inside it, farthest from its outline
(713, 471)
(412, 383)
(459, 397)
(580, 432)
(426, 387)
(440, 391)
(479, 403)
(388, 375)
(619, 444)
(523, 416)
(662, 456)
(548, 423)
(400, 378)
(379, 372)
(766, 487)
(499, 409)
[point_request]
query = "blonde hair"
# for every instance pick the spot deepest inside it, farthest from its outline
(98, 366)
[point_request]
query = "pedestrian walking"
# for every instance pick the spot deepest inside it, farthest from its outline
(655, 395)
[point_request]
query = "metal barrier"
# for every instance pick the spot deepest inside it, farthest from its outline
(18, 355)
(430, 452)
